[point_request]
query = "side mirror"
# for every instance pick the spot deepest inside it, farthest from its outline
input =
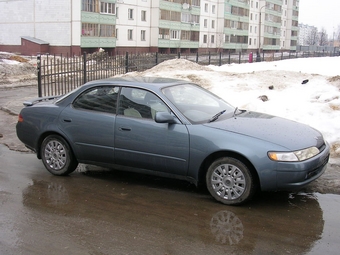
(165, 117)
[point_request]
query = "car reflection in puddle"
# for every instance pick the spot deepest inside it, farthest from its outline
(166, 216)
(226, 227)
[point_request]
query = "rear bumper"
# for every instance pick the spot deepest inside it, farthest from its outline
(293, 176)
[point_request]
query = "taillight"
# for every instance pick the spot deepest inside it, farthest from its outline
(20, 118)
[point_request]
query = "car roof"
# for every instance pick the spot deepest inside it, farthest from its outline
(138, 81)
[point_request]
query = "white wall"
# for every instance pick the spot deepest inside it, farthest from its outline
(42, 19)
(136, 24)
(16, 19)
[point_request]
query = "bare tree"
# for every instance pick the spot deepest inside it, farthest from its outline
(313, 38)
(337, 34)
(323, 37)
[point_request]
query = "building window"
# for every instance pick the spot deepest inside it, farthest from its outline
(163, 33)
(213, 24)
(107, 30)
(89, 5)
(205, 38)
(170, 15)
(174, 34)
(196, 2)
(143, 15)
(226, 38)
(130, 14)
(213, 9)
(142, 35)
(130, 34)
(249, 41)
(228, 8)
(185, 17)
(212, 39)
(117, 12)
(89, 29)
(195, 18)
(205, 23)
(108, 8)
(206, 9)
(185, 35)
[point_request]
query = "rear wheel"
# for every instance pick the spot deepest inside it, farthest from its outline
(230, 181)
(57, 156)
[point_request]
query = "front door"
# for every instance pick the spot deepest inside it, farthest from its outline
(143, 143)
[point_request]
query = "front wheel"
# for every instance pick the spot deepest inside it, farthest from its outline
(57, 156)
(230, 181)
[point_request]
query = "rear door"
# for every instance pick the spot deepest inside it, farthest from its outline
(143, 143)
(89, 124)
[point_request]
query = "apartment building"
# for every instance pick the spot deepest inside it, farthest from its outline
(136, 26)
(306, 33)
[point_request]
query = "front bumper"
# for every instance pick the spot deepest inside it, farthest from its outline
(295, 175)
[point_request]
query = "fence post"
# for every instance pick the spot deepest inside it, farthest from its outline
(39, 75)
(220, 60)
(239, 57)
(85, 71)
(197, 57)
(126, 62)
(209, 57)
(229, 57)
(179, 55)
(281, 55)
(156, 58)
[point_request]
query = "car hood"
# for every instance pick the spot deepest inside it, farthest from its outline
(287, 133)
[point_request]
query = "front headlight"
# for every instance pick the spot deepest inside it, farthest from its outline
(294, 155)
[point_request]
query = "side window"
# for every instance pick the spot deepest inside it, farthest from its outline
(101, 99)
(140, 103)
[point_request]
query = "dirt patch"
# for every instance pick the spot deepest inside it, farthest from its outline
(18, 58)
(334, 78)
(16, 69)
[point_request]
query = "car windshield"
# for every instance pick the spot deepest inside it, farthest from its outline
(197, 104)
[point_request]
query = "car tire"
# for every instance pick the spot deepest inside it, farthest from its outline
(230, 181)
(57, 156)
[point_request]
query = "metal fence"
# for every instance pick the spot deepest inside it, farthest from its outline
(58, 75)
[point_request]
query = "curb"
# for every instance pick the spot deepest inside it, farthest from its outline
(9, 111)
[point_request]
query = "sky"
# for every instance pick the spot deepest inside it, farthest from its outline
(321, 14)
(316, 103)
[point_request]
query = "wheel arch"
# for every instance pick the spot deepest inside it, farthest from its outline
(46, 134)
(220, 154)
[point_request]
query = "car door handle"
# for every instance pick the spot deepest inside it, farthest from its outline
(124, 129)
(67, 120)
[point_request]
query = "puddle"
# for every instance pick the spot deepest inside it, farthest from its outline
(329, 241)
(105, 212)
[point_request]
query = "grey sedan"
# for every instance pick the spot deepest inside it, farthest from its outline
(176, 129)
